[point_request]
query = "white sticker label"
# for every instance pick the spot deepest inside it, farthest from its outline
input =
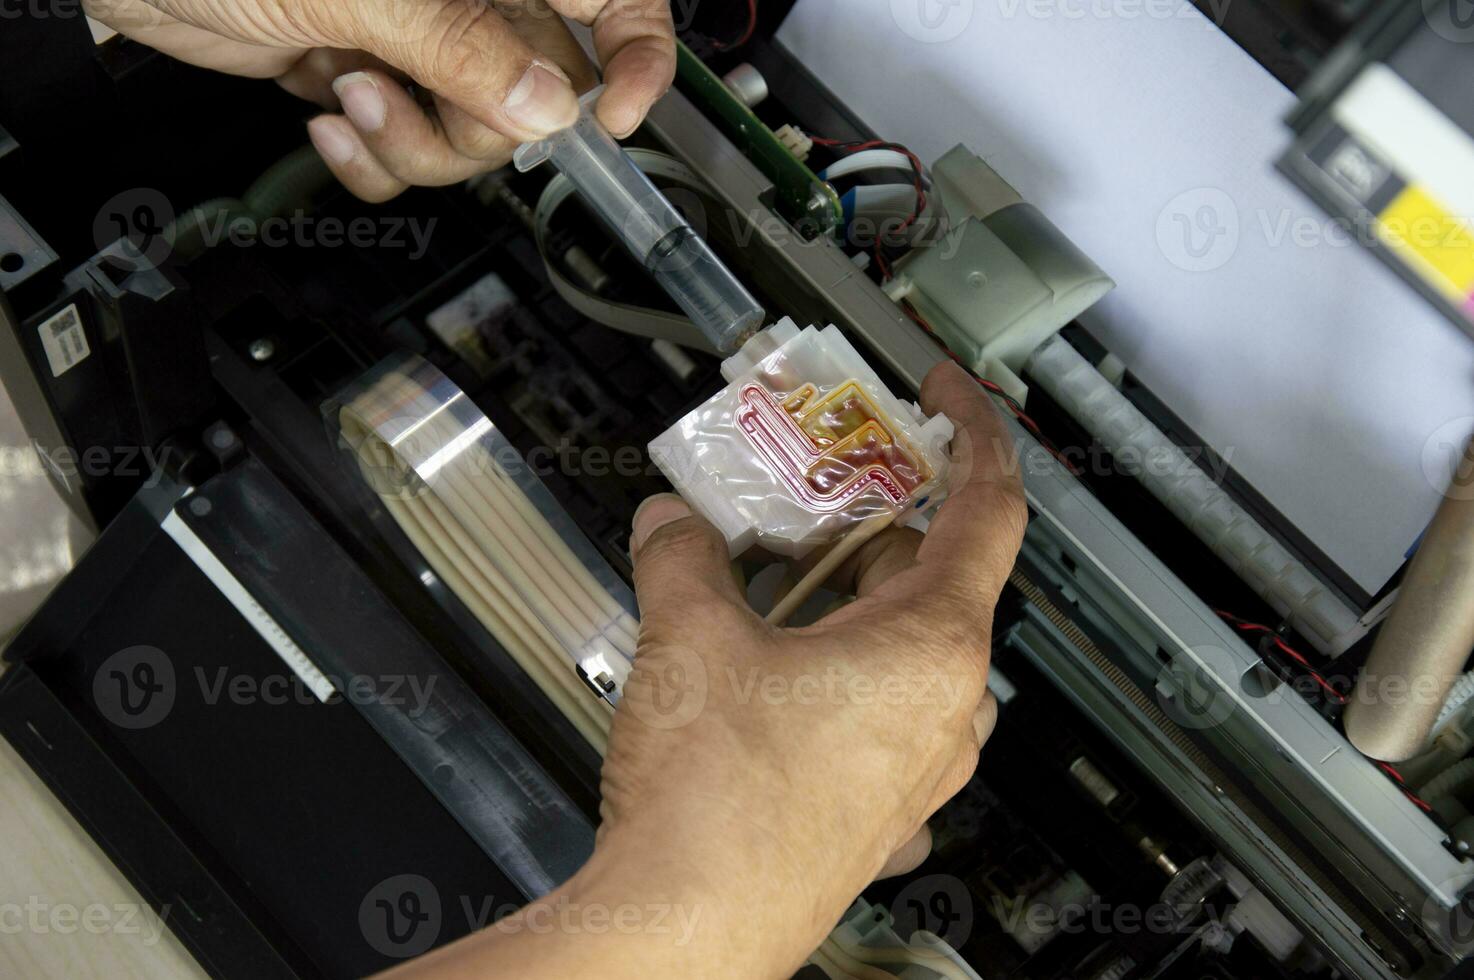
(245, 604)
(64, 340)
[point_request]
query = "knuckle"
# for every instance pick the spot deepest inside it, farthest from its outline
(959, 775)
(287, 20)
(472, 140)
(428, 163)
(686, 536)
(1013, 510)
(372, 188)
(957, 613)
(450, 50)
(954, 630)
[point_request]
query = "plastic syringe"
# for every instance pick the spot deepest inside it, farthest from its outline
(650, 227)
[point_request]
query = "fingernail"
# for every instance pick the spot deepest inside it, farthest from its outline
(329, 135)
(362, 101)
(655, 513)
(542, 101)
(620, 130)
(632, 118)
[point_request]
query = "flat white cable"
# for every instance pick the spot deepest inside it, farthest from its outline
(534, 654)
(567, 607)
(494, 601)
(555, 614)
(463, 520)
(925, 957)
(551, 552)
(476, 474)
(876, 159)
(562, 599)
(559, 631)
(486, 500)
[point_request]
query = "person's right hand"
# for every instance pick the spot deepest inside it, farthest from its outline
(758, 778)
(784, 769)
(489, 74)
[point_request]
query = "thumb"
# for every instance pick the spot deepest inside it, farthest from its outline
(682, 568)
(466, 52)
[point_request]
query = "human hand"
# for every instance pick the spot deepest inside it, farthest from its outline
(488, 75)
(784, 769)
(758, 778)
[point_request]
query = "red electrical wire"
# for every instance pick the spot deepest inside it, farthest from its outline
(919, 182)
(1289, 651)
(1273, 635)
(1402, 784)
(747, 34)
(1014, 407)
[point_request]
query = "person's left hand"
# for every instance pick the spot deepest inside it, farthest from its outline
(430, 91)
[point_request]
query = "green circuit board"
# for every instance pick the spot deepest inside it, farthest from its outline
(804, 200)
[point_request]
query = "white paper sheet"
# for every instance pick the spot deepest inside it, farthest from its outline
(1149, 137)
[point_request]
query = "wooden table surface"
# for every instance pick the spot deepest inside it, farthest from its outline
(65, 911)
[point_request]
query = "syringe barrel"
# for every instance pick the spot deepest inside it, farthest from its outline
(651, 228)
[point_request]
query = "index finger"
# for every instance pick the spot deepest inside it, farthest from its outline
(975, 536)
(635, 41)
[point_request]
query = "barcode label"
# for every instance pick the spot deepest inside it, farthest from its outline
(64, 340)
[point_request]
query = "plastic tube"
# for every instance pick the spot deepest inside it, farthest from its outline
(650, 227)
(1423, 646)
(788, 602)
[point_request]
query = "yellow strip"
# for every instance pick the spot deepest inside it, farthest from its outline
(1436, 243)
